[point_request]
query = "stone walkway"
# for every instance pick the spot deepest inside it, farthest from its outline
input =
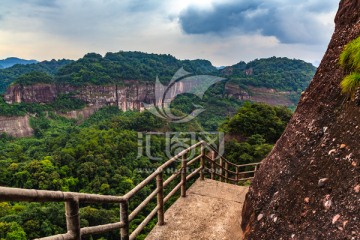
(211, 210)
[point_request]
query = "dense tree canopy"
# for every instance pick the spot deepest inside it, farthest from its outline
(276, 73)
(117, 67)
(253, 130)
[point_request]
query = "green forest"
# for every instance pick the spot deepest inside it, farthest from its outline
(278, 73)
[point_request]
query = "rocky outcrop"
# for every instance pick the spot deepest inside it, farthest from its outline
(262, 95)
(309, 185)
(81, 114)
(16, 126)
(234, 90)
(37, 93)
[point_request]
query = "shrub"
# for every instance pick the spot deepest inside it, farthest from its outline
(350, 83)
(350, 60)
(350, 57)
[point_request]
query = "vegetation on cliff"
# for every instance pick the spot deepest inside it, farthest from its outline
(350, 60)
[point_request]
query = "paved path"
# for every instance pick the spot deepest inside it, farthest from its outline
(211, 210)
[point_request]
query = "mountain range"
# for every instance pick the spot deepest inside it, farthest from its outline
(11, 61)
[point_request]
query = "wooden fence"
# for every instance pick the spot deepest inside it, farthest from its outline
(208, 160)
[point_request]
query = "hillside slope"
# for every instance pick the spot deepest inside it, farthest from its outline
(308, 187)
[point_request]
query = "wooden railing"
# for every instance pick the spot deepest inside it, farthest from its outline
(208, 160)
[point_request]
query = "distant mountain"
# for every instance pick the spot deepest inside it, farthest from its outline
(8, 75)
(11, 61)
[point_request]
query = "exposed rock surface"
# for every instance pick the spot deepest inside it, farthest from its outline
(321, 142)
(16, 126)
(81, 114)
(130, 96)
(262, 95)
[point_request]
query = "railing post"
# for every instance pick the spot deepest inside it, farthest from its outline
(160, 198)
(237, 175)
(73, 218)
(226, 172)
(221, 170)
(212, 164)
(183, 175)
(124, 217)
(202, 165)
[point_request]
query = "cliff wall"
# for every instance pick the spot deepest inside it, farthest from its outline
(16, 126)
(309, 185)
(129, 96)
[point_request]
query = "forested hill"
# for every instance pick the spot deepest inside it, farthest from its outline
(115, 67)
(275, 73)
(281, 74)
(8, 75)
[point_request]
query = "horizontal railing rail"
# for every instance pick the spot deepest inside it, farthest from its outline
(209, 162)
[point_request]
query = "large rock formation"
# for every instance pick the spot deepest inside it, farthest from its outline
(309, 186)
(129, 96)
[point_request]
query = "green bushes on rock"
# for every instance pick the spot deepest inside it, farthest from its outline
(351, 83)
(350, 60)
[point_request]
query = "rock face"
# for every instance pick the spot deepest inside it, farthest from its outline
(308, 187)
(130, 96)
(16, 126)
(263, 95)
(81, 114)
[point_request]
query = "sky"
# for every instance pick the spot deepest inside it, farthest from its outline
(222, 31)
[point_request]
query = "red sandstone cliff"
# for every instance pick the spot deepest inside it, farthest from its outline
(309, 186)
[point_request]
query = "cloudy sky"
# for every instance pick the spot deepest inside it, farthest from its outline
(222, 31)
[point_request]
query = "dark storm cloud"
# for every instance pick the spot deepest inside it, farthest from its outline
(288, 21)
